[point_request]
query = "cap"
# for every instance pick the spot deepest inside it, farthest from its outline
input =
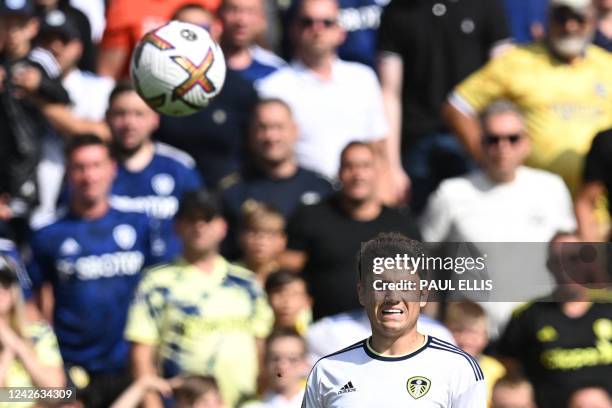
(199, 204)
(23, 7)
(8, 270)
(58, 22)
(578, 6)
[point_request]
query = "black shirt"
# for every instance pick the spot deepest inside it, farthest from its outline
(215, 135)
(441, 43)
(331, 240)
(598, 164)
(559, 353)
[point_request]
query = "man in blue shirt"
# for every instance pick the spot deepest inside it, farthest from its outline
(151, 177)
(92, 256)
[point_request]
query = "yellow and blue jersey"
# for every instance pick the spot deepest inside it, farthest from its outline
(203, 323)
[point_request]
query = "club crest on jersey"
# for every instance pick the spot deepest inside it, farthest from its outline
(162, 184)
(418, 386)
(125, 236)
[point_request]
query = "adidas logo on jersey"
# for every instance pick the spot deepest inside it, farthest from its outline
(348, 387)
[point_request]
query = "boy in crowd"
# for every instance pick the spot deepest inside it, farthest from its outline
(290, 301)
(512, 391)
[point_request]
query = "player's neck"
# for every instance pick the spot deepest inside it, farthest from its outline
(575, 310)
(91, 210)
(238, 58)
(397, 346)
(140, 158)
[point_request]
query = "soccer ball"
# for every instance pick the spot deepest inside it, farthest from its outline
(177, 68)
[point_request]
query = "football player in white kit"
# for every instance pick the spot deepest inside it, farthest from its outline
(397, 366)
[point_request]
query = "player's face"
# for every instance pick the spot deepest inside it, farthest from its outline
(243, 21)
(505, 145)
(288, 302)
(590, 398)
(273, 133)
(471, 338)
(199, 235)
(513, 397)
(570, 32)
(358, 174)
(285, 363)
(317, 31)
(392, 312)
(91, 172)
(131, 121)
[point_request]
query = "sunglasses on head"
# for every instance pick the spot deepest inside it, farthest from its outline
(492, 140)
(308, 22)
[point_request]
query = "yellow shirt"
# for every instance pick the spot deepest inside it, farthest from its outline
(203, 323)
(564, 105)
(45, 346)
(493, 370)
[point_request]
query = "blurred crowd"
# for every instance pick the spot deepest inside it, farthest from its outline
(209, 260)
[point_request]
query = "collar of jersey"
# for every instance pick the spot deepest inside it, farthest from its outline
(377, 356)
(215, 277)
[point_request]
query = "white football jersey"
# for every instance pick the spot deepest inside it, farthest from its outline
(437, 375)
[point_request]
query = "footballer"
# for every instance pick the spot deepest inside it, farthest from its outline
(397, 366)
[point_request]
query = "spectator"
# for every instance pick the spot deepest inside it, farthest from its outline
(200, 314)
(92, 256)
(151, 176)
(467, 321)
(24, 75)
(272, 175)
(590, 397)
(425, 50)
(603, 33)
(561, 84)
(597, 181)
(95, 11)
(290, 301)
(324, 237)
(192, 391)
(333, 101)
(215, 135)
(535, 204)
(44, 8)
(262, 238)
(512, 391)
(336, 332)
(29, 356)
(243, 22)
(285, 369)
(543, 335)
(126, 22)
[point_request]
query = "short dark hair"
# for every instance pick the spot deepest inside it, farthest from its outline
(512, 380)
(388, 245)
(281, 278)
(281, 332)
(192, 387)
(198, 204)
(80, 141)
(273, 101)
(352, 145)
(121, 87)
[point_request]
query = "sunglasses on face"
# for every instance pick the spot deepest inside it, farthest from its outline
(308, 22)
(563, 15)
(494, 140)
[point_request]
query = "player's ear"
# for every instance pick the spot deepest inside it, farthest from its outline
(423, 298)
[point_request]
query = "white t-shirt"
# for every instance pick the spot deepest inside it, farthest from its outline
(89, 93)
(336, 332)
(531, 208)
(329, 114)
(271, 400)
(436, 375)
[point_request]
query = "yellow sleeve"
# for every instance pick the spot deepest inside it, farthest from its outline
(145, 314)
(45, 345)
(263, 318)
(486, 85)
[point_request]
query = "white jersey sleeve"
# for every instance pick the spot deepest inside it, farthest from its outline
(473, 396)
(312, 395)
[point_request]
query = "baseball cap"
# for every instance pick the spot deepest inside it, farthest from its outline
(58, 22)
(578, 6)
(199, 204)
(8, 271)
(23, 7)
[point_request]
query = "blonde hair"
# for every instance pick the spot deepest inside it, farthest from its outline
(257, 215)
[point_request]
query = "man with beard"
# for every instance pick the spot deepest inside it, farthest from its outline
(324, 237)
(151, 177)
(563, 86)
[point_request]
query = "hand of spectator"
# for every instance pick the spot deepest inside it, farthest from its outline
(8, 338)
(156, 384)
(26, 80)
(401, 186)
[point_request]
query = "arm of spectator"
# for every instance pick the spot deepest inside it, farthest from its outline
(391, 71)
(293, 260)
(465, 125)
(111, 62)
(41, 375)
(66, 123)
(31, 81)
(133, 396)
(586, 202)
(6, 360)
(143, 364)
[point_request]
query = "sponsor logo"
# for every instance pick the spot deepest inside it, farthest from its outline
(346, 388)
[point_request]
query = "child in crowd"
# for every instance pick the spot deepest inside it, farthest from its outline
(511, 392)
(290, 301)
(468, 323)
(262, 238)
